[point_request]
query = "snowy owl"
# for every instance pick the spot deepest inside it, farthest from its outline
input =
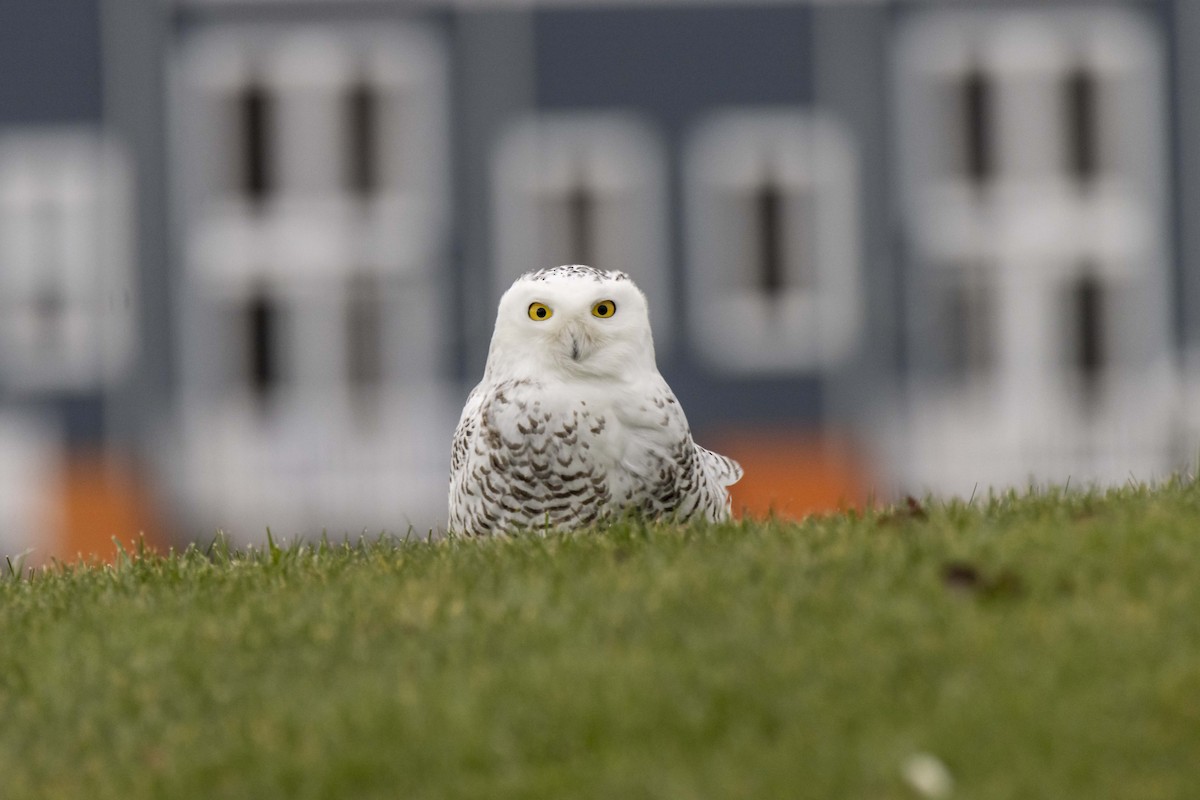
(572, 422)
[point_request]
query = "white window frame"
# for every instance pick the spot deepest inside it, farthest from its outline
(309, 71)
(85, 180)
(1027, 54)
(803, 327)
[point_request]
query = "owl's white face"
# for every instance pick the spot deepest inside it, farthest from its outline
(574, 322)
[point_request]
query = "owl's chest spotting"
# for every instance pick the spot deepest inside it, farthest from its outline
(558, 457)
(545, 433)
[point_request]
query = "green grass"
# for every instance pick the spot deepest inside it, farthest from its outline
(1038, 646)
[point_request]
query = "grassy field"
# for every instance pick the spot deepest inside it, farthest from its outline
(1041, 646)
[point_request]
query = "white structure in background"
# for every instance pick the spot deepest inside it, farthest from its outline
(773, 242)
(67, 294)
(1031, 158)
(313, 203)
(30, 462)
(583, 188)
(67, 304)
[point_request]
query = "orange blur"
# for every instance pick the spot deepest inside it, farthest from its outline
(96, 499)
(793, 474)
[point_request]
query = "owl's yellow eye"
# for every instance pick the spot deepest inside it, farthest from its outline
(539, 312)
(604, 309)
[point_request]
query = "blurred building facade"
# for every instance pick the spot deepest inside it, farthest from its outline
(250, 250)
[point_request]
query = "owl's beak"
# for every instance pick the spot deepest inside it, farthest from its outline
(574, 340)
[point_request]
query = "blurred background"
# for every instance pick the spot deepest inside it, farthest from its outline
(250, 250)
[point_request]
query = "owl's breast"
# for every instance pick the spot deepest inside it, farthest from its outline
(546, 454)
(543, 457)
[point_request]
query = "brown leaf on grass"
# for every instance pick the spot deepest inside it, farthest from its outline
(910, 510)
(961, 575)
(964, 576)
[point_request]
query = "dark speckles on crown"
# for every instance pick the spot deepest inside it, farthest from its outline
(574, 271)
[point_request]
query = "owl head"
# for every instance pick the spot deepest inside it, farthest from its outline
(573, 321)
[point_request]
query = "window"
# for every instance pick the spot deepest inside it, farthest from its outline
(1081, 124)
(261, 344)
(362, 138)
(277, 117)
(67, 297)
(255, 137)
(1090, 351)
(772, 238)
(969, 329)
(977, 125)
(364, 333)
(1043, 101)
(782, 239)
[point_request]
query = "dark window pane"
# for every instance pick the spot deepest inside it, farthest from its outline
(768, 204)
(1090, 357)
(261, 324)
(254, 123)
(364, 333)
(1080, 92)
(977, 126)
(969, 334)
(362, 140)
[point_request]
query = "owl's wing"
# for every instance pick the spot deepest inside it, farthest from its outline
(464, 434)
(722, 469)
(668, 414)
(683, 478)
(462, 500)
